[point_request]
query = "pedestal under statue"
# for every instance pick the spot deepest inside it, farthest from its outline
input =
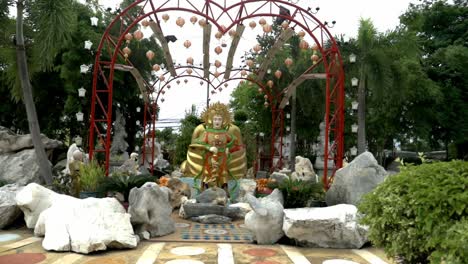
(216, 153)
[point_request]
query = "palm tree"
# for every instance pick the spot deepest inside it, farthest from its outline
(374, 71)
(53, 20)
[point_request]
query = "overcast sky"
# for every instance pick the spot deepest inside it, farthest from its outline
(346, 13)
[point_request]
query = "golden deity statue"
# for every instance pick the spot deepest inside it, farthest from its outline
(216, 153)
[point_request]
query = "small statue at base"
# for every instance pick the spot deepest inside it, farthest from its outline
(74, 167)
(216, 153)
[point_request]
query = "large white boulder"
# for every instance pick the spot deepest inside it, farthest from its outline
(326, 227)
(151, 210)
(265, 221)
(303, 170)
(9, 211)
(361, 176)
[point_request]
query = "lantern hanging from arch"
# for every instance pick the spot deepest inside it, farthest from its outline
(288, 62)
(84, 68)
(178, 81)
(270, 83)
(145, 23)
(138, 109)
(252, 24)
(162, 100)
(216, 74)
(226, 85)
(354, 105)
(353, 151)
(249, 63)
(315, 47)
(266, 97)
(303, 44)
(217, 64)
(219, 35)
(168, 86)
(137, 122)
(79, 116)
(314, 58)
(220, 89)
(162, 78)
(267, 28)
(156, 67)
(266, 104)
(190, 60)
(187, 44)
(88, 44)
(285, 25)
(81, 92)
(201, 82)
(232, 33)
(126, 51)
(180, 21)
(128, 37)
(257, 48)
(165, 17)
(150, 55)
(354, 81)
(202, 22)
(193, 20)
(243, 73)
(94, 21)
(354, 128)
(189, 71)
(138, 35)
(218, 50)
(260, 90)
(278, 74)
(301, 34)
(185, 81)
(262, 21)
(163, 92)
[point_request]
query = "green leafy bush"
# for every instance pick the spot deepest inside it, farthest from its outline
(454, 246)
(91, 176)
(297, 193)
(124, 183)
(410, 214)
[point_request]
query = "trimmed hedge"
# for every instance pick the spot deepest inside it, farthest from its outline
(411, 214)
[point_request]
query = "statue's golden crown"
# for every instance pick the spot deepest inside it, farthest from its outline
(216, 109)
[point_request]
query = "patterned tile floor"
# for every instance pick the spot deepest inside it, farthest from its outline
(21, 247)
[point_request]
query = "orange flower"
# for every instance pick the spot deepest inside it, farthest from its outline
(163, 181)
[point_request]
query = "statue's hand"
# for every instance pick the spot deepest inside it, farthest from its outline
(214, 149)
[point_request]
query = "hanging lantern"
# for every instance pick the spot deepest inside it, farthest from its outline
(220, 89)
(267, 28)
(84, 68)
(189, 71)
(353, 151)
(301, 34)
(262, 21)
(137, 148)
(352, 58)
(137, 122)
(217, 63)
(138, 109)
(193, 19)
(249, 63)
(145, 23)
(354, 128)
(288, 115)
(285, 25)
(150, 54)
(243, 73)
(165, 17)
(303, 44)
(178, 81)
(128, 37)
(278, 74)
(260, 90)
(163, 92)
(288, 62)
(354, 105)
(216, 74)
(185, 81)
(257, 48)
(78, 140)
(81, 92)
(219, 35)
(226, 85)
(266, 97)
(202, 22)
(156, 67)
(187, 44)
(270, 83)
(315, 47)
(162, 100)
(266, 104)
(162, 78)
(180, 22)
(252, 24)
(218, 50)
(213, 92)
(88, 44)
(79, 116)
(232, 33)
(140, 96)
(354, 81)
(138, 35)
(94, 21)
(201, 82)
(288, 128)
(314, 58)
(190, 60)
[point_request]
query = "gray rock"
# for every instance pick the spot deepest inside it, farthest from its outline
(213, 195)
(327, 227)
(212, 219)
(151, 210)
(20, 167)
(11, 142)
(361, 176)
(9, 211)
(266, 220)
(198, 209)
(261, 175)
(279, 177)
(179, 190)
(246, 186)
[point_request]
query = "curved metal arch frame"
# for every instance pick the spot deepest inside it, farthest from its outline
(334, 122)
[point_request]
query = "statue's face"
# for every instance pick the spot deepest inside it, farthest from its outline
(217, 122)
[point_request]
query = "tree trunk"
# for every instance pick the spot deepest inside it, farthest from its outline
(362, 112)
(43, 162)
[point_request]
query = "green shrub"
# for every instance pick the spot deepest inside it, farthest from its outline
(297, 193)
(91, 175)
(409, 215)
(454, 246)
(124, 183)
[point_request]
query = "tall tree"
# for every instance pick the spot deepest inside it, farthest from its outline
(54, 21)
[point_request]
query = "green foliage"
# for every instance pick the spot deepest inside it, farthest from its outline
(410, 214)
(453, 247)
(298, 193)
(188, 124)
(124, 183)
(91, 176)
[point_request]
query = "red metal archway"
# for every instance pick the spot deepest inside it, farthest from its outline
(216, 15)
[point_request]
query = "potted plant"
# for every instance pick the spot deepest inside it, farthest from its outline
(123, 183)
(91, 176)
(298, 193)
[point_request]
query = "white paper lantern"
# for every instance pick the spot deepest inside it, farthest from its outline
(138, 109)
(140, 96)
(88, 44)
(354, 81)
(354, 128)
(288, 115)
(354, 105)
(137, 148)
(137, 122)
(288, 129)
(94, 21)
(352, 58)
(79, 116)
(353, 151)
(81, 92)
(84, 68)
